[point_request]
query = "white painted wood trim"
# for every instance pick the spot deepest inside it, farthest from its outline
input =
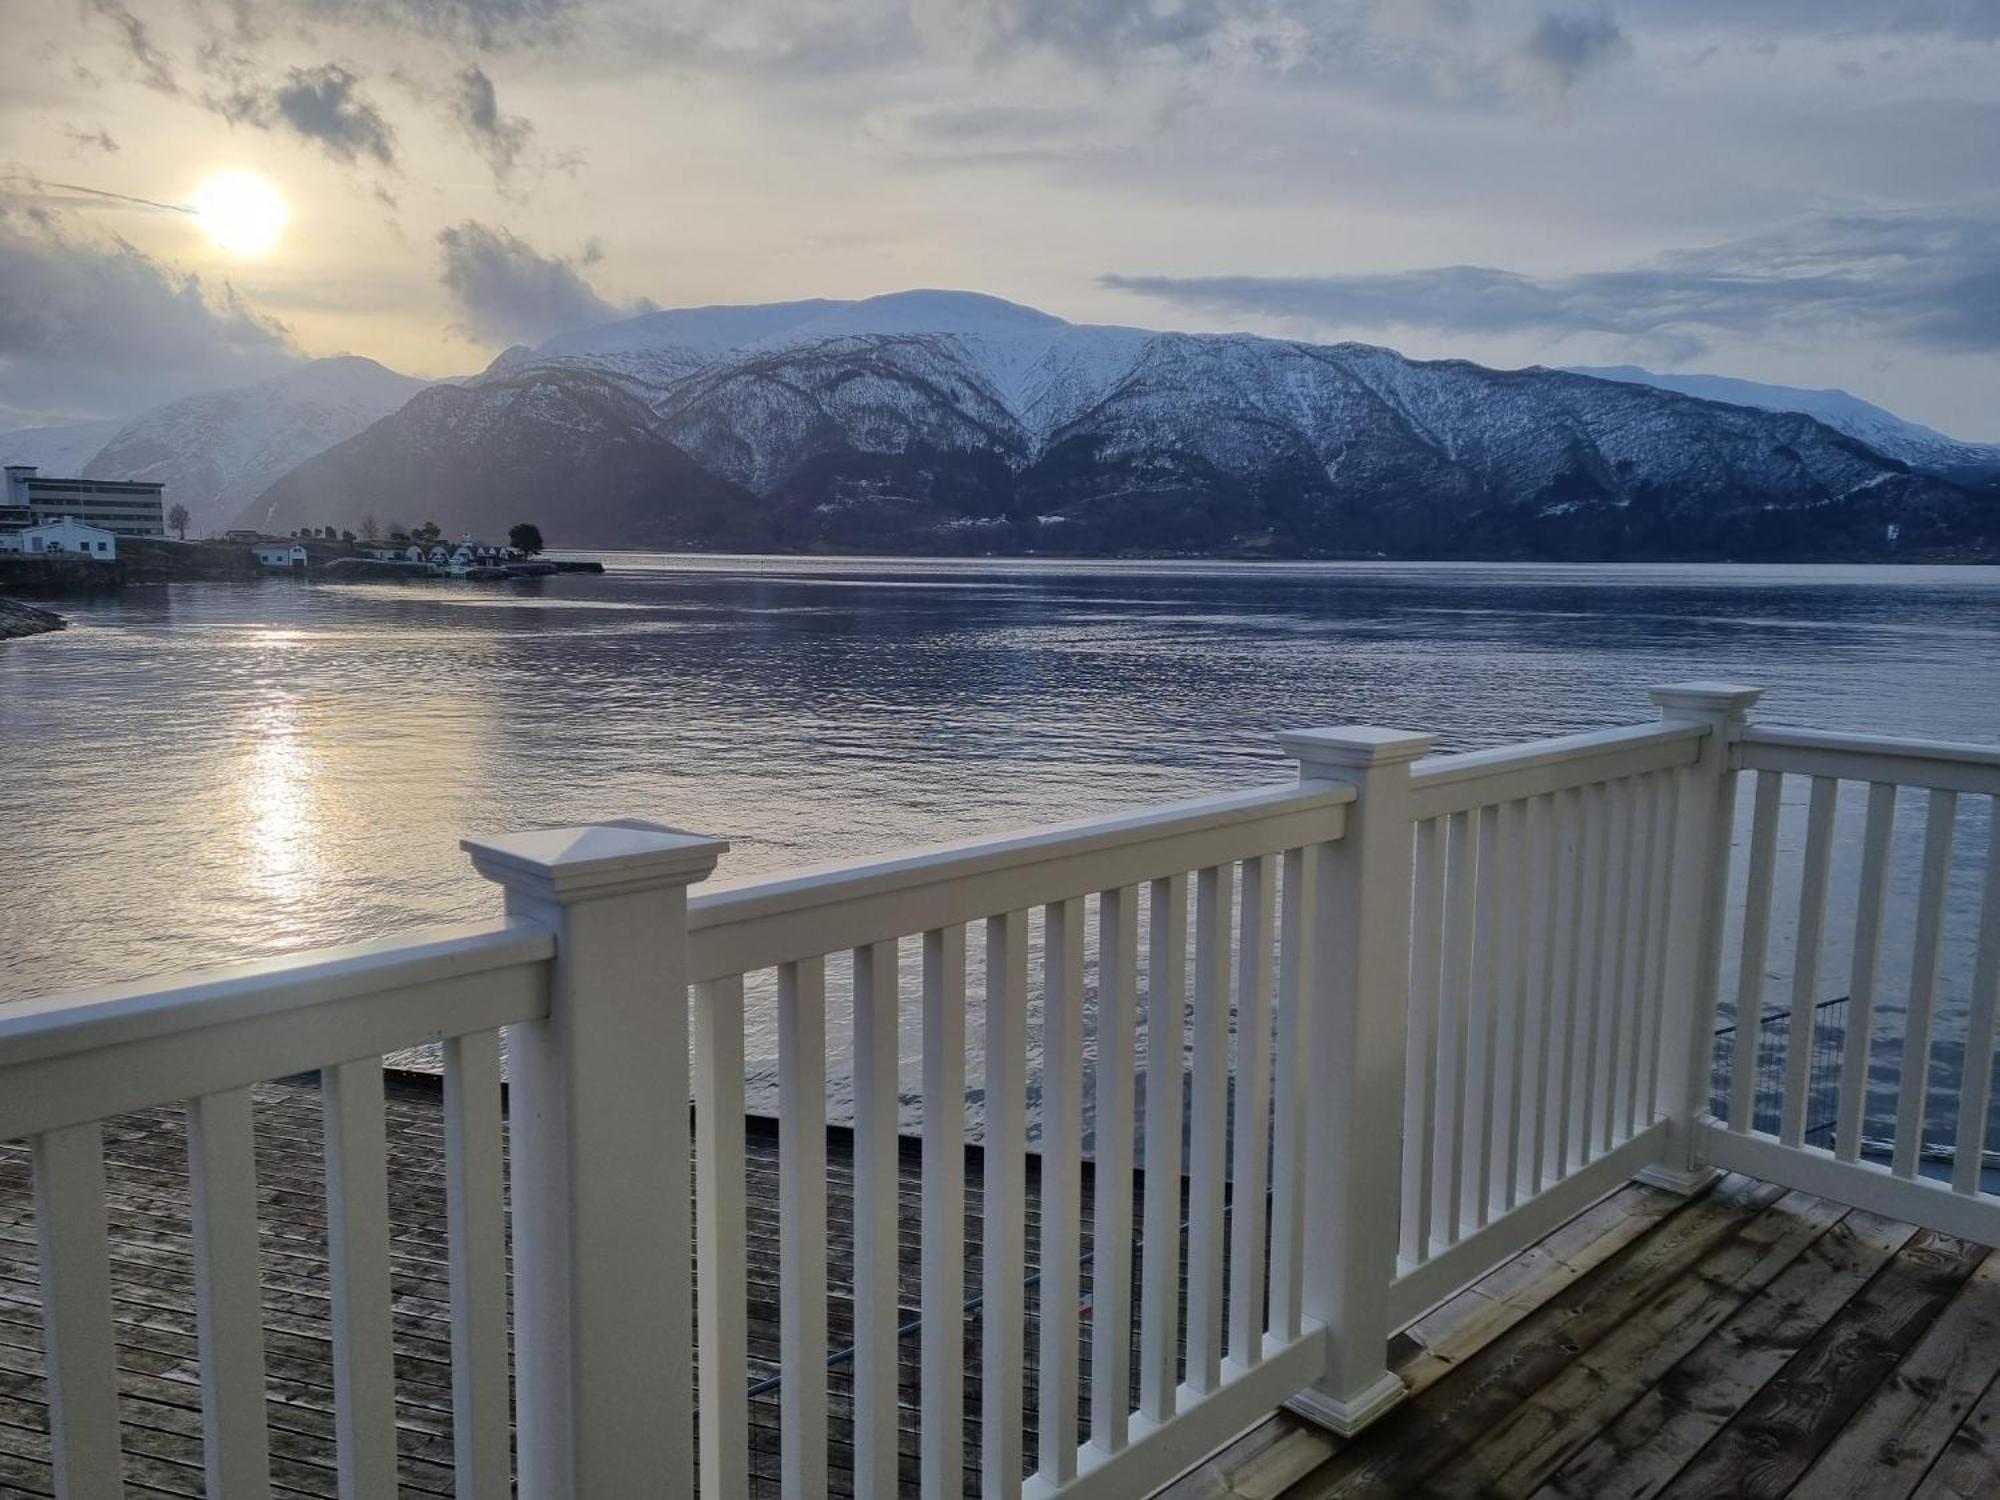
(357, 1234)
(1744, 1042)
(1004, 1182)
(1059, 1290)
(1420, 1288)
(877, 1174)
(721, 1307)
(1925, 953)
(1166, 1032)
(1805, 962)
(1976, 1084)
(1457, 783)
(734, 929)
(1208, 1125)
(476, 1216)
(1941, 765)
(802, 1229)
(1860, 1184)
(1870, 895)
(1252, 1123)
(1115, 1126)
(229, 1281)
(78, 1351)
(1421, 1055)
(941, 1439)
(1288, 1150)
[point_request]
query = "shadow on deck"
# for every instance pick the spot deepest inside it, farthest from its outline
(1747, 1342)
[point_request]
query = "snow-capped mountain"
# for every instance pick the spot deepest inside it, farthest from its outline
(930, 421)
(1918, 446)
(56, 450)
(218, 451)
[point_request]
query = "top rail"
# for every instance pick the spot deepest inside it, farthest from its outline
(70, 1058)
(1943, 765)
(737, 929)
(1443, 784)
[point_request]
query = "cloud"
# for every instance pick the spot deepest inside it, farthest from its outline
(481, 23)
(154, 69)
(1966, 20)
(95, 327)
(507, 292)
(325, 105)
(1924, 280)
(1109, 33)
(1562, 47)
(96, 140)
(500, 138)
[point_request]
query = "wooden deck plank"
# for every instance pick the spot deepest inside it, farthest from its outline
(1515, 1456)
(1771, 1442)
(1884, 1453)
(1401, 1451)
(1654, 1438)
(1969, 1467)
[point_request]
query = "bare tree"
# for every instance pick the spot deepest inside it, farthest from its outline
(178, 518)
(369, 530)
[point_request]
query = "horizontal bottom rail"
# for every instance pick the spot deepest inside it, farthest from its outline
(1423, 1287)
(1160, 1452)
(1859, 1184)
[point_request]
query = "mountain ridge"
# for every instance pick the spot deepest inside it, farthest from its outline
(843, 426)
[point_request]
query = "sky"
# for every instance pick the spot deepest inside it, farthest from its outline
(1799, 191)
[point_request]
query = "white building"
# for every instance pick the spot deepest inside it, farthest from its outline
(285, 555)
(64, 537)
(124, 506)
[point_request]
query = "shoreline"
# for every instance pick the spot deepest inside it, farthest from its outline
(19, 621)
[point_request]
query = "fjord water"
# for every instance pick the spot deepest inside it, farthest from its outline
(203, 772)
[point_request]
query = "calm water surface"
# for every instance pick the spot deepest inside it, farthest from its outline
(203, 772)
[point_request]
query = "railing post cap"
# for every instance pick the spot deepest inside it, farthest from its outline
(1710, 697)
(595, 859)
(1353, 747)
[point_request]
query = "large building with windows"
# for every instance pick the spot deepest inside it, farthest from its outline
(123, 507)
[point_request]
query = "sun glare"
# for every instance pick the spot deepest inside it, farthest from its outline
(241, 212)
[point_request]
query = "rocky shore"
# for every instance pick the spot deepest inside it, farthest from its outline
(25, 619)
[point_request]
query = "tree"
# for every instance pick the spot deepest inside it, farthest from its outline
(178, 518)
(525, 537)
(427, 533)
(369, 530)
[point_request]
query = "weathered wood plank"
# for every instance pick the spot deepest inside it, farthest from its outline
(1770, 1443)
(1655, 1437)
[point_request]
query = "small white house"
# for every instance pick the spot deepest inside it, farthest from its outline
(286, 555)
(67, 537)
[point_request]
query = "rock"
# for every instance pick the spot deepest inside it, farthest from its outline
(25, 619)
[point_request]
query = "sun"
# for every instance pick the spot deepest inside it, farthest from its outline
(241, 212)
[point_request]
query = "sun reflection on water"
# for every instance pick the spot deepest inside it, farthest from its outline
(278, 803)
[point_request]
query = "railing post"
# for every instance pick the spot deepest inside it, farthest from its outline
(598, 1109)
(1356, 1038)
(1697, 891)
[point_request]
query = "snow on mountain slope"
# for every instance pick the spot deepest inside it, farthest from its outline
(56, 450)
(951, 421)
(218, 451)
(1916, 445)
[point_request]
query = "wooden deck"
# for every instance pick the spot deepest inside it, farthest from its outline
(1748, 1342)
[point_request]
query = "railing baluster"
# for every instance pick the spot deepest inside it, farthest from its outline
(1166, 1030)
(1614, 937)
(721, 1310)
(1924, 959)
(941, 1441)
(1636, 1055)
(476, 1210)
(1537, 850)
(1564, 931)
(228, 1291)
(1975, 1095)
(1062, 1189)
(1512, 1017)
(1805, 963)
(1421, 1077)
(1756, 937)
(1454, 1029)
(76, 1313)
(877, 996)
(1295, 958)
(1005, 1205)
(1589, 995)
(357, 1232)
(1115, 1122)
(1253, 1111)
(1861, 984)
(1483, 1012)
(1208, 1126)
(1653, 978)
(802, 1228)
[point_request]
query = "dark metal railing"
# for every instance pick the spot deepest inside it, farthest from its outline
(1774, 1046)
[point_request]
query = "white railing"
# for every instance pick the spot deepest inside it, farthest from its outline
(1511, 960)
(1908, 1007)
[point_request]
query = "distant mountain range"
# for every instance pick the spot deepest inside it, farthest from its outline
(957, 423)
(1922, 448)
(217, 452)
